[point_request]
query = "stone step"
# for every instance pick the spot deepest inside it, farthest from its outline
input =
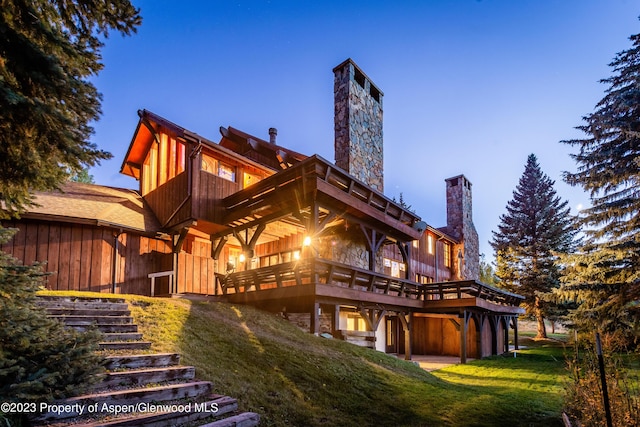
(75, 405)
(124, 345)
(141, 377)
(137, 361)
(122, 336)
(75, 299)
(92, 305)
(87, 312)
(90, 320)
(217, 406)
(107, 328)
(246, 419)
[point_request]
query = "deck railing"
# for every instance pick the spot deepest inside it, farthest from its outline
(321, 271)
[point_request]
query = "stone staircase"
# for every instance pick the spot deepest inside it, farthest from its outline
(138, 389)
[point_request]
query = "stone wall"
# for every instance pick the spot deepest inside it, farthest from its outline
(466, 255)
(358, 125)
(347, 247)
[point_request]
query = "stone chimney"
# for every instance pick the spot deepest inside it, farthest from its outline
(273, 132)
(466, 255)
(358, 125)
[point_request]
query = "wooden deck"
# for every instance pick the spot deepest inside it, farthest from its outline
(301, 283)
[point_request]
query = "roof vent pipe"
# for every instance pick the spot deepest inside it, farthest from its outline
(273, 132)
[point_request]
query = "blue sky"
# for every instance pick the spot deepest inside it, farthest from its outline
(470, 87)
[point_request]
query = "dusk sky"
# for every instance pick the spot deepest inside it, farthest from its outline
(470, 87)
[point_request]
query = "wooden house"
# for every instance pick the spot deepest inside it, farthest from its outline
(248, 221)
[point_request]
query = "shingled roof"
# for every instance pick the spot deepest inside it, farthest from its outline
(96, 205)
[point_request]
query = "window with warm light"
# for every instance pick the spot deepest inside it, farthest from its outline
(446, 248)
(430, 244)
(209, 164)
(165, 160)
(249, 179)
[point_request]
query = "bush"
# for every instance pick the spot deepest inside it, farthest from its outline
(40, 359)
(584, 399)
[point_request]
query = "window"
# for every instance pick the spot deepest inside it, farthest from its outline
(416, 244)
(209, 164)
(430, 243)
(249, 179)
(446, 247)
(226, 172)
(355, 322)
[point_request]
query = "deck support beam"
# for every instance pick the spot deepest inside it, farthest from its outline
(405, 320)
(314, 326)
(464, 329)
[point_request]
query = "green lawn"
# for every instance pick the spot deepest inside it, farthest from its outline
(292, 378)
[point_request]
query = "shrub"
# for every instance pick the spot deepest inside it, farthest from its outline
(584, 398)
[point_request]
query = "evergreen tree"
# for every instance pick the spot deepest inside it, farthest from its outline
(535, 228)
(40, 359)
(487, 273)
(82, 176)
(49, 49)
(604, 277)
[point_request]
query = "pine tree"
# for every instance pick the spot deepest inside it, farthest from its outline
(604, 277)
(40, 359)
(49, 49)
(535, 228)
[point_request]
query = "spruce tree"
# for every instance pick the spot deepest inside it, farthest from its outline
(604, 277)
(49, 49)
(536, 227)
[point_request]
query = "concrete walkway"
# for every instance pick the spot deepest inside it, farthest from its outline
(432, 363)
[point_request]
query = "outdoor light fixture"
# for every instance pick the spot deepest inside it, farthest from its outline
(296, 255)
(242, 258)
(306, 241)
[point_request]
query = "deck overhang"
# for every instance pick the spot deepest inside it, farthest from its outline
(292, 195)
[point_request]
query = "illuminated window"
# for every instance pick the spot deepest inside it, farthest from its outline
(226, 172)
(416, 244)
(249, 179)
(446, 247)
(209, 164)
(430, 243)
(355, 322)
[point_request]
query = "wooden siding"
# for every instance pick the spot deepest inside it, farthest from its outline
(167, 198)
(422, 262)
(211, 190)
(80, 257)
(195, 274)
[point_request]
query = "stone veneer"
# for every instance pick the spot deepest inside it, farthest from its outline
(347, 247)
(466, 254)
(358, 125)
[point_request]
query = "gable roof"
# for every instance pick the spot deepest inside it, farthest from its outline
(95, 205)
(259, 150)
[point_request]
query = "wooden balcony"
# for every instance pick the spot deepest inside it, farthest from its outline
(343, 284)
(315, 180)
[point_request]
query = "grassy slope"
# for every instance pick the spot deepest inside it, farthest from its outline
(295, 379)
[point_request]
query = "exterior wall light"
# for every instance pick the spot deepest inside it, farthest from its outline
(306, 241)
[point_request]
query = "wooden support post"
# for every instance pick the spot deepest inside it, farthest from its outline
(505, 326)
(463, 337)
(479, 334)
(315, 319)
(515, 333)
(406, 325)
(335, 321)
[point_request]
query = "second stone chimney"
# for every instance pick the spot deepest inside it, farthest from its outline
(358, 125)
